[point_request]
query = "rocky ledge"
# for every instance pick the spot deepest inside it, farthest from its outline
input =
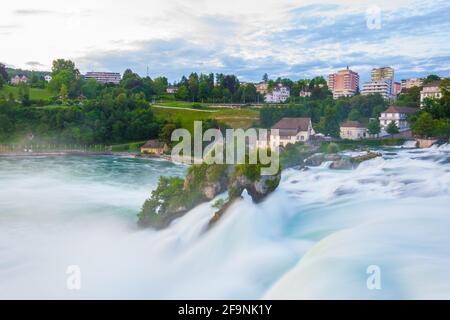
(174, 196)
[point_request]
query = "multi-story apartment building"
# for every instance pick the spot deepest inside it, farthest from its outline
(279, 94)
(383, 73)
(413, 82)
(262, 87)
(397, 115)
(104, 77)
(431, 90)
(382, 87)
(396, 89)
(344, 83)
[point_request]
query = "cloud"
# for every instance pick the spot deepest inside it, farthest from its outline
(34, 64)
(287, 38)
(32, 12)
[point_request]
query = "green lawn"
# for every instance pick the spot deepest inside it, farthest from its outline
(233, 117)
(35, 93)
(182, 104)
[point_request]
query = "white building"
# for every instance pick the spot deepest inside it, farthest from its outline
(172, 90)
(353, 130)
(305, 93)
(279, 94)
(397, 115)
(382, 87)
(431, 90)
(413, 82)
(48, 78)
(291, 130)
(104, 77)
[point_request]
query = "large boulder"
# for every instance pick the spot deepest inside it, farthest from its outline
(258, 187)
(346, 163)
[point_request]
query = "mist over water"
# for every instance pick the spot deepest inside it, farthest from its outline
(312, 238)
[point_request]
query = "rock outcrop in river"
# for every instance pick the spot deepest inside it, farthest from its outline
(174, 196)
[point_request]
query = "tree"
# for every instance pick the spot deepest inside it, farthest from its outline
(24, 94)
(330, 122)
(3, 75)
(249, 93)
(182, 93)
(431, 78)
(354, 115)
(424, 125)
(442, 128)
(62, 64)
(374, 127)
(132, 81)
(265, 77)
(392, 128)
(64, 72)
(63, 94)
(165, 134)
(90, 88)
(6, 126)
(160, 85)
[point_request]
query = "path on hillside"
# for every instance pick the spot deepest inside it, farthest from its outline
(179, 108)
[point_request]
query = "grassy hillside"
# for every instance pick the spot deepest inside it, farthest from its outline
(234, 118)
(35, 93)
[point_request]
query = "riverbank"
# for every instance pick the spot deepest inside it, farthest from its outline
(66, 153)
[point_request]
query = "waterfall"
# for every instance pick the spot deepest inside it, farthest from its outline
(314, 237)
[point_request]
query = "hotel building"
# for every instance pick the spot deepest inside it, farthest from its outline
(104, 77)
(344, 83)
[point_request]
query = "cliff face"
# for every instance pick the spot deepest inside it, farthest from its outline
(174, 196)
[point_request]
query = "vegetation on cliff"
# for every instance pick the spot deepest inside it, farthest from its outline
(174, 196)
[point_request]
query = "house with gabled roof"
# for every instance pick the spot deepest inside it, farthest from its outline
(353, 130)
(397, 115)
(290, 131)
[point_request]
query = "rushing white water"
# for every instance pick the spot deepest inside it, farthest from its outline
(312, 238)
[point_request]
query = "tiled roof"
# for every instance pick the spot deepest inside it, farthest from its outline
(352, 124)
(298, 124)
(395, 109)
(433, 84)
(153, 144)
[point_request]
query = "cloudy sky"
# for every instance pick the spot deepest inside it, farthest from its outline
(287, 38)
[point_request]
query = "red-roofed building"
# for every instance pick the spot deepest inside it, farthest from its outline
(291, 130)
(397, 115)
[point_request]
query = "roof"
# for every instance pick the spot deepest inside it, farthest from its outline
(297, 124)
(435, 83)
(352, 124)
(395, 109)
(153, 144)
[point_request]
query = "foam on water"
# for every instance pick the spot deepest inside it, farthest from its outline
(314, 237)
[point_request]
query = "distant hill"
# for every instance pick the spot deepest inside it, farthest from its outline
(13, 72)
